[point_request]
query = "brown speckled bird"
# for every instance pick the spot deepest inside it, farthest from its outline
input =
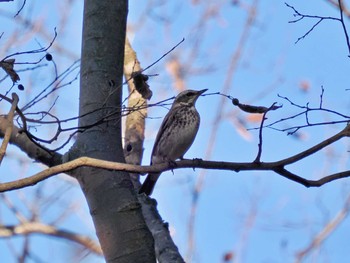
(176, 134)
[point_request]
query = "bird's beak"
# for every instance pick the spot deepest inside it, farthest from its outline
(200, 92)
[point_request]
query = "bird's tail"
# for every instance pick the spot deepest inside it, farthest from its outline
(149, 183)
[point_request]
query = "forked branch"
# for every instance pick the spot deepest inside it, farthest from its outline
(277, 167)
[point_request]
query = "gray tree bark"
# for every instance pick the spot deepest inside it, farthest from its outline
(116, 213)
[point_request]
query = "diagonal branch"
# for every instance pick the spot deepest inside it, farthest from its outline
(165, 248)
(33, 150)
(325, 232)
(39, 228)
(293, 159)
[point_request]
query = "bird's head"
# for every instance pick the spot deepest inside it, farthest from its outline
(188, 97)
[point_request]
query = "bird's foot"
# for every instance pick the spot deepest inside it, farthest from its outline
(172, 165)
(196, 161)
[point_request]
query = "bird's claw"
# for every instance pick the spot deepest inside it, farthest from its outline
(196, 161)
(172, 165)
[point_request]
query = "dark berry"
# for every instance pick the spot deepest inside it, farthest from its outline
(48, 57)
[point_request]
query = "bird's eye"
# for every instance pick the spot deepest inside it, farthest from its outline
(189, 94)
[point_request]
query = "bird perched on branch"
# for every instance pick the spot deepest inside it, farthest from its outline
(176, 134)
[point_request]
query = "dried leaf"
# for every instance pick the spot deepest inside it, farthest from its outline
(7, 65)
(140, 81)
(253, 109)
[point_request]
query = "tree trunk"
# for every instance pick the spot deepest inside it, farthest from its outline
(111, 197)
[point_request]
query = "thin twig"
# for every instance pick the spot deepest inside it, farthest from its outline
(21, 8)
(258, 156)
(340, 3)
(320, 19)
(164, 55)
(146, 68)
(306, 111)
(34, 51)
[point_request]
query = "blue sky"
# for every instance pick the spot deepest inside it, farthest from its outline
(258, 216)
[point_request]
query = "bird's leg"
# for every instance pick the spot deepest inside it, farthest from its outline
(172, 165)
(196, 161)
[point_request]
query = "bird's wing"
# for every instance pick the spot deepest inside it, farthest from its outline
(168, 119)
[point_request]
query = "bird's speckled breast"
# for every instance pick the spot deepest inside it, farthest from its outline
(180, 138)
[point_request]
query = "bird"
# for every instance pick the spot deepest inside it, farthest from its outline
(176, 134)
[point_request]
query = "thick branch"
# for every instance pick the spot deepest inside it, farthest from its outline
(21, 140)
(195, 163)
(165, 248)
(278, 167)
(293, 159)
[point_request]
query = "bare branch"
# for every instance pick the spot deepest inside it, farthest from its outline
(301, 16)
(149, 66)
(316, 148)
(325, 232)
(33, 150)
(40, 228)
(258, 156)
(340, 3)
(277, 167)
(165, 248)
(335, 3)
(34, 51)
(8, 202)
(306, 110)
(55, 84)
(21, 8)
